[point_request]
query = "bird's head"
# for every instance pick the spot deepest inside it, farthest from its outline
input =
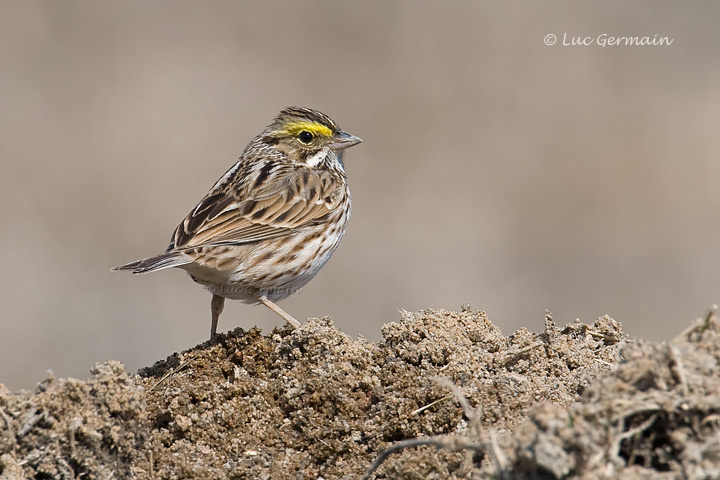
(307, 136)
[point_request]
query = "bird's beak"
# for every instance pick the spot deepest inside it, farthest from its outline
(342, 140)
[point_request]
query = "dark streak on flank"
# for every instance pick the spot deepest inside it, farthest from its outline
(276, 276)
(263, 175)
(286, 259)
(267, 256)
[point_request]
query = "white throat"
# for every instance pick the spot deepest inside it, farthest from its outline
(316, 159)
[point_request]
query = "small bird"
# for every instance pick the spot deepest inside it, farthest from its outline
(270, 223)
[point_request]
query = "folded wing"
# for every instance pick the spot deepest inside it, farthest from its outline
(294, 199)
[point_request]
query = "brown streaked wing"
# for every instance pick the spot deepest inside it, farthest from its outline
(208, 208)
(276, 210)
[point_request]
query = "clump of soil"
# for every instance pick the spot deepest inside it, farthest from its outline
(314, 402)
(72, 429)
(576, 402)
(656, 415)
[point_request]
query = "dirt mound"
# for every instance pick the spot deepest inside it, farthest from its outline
(314, 403)
(72, 429)
(656, 415)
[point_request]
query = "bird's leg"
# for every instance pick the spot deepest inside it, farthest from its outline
(216, 308)
(286, 316)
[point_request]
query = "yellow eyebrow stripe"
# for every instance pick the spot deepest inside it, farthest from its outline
(318, 129)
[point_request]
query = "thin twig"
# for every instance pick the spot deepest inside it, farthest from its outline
(701, 324)
(5, 418)
(430, 405)
(648, 407)
(444, 382)
(150, 462)
(631, 433)
(513, 355)
(169, 374)
(709, 314)
(496, 454)
(603, 336)
(448, 442)
(679, 369)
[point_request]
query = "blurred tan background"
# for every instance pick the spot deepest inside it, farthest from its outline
(495, 170)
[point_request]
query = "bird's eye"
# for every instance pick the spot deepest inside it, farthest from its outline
(305, 137)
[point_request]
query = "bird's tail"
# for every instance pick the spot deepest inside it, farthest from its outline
(158, 262)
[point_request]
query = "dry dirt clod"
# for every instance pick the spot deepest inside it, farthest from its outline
(313, 402)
